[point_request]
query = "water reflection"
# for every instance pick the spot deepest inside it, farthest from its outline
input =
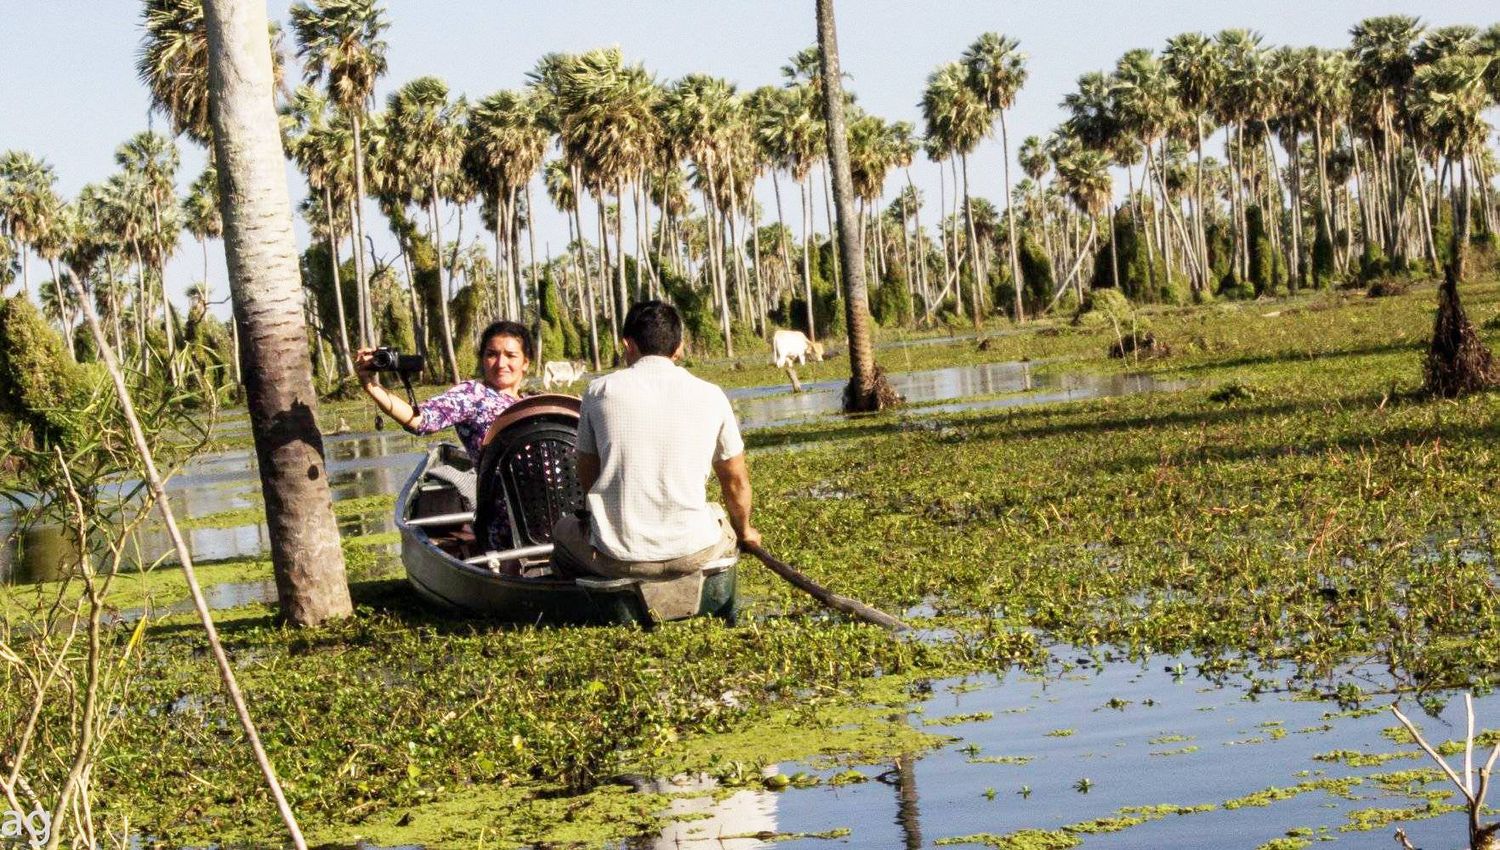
(740, 821)
(763, 406)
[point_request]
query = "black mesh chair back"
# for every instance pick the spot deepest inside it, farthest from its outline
(528, 477)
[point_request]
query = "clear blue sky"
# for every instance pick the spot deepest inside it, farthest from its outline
(69, 92)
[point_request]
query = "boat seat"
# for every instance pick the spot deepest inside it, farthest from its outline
(601, 583)
(465, 482)
(528, 474)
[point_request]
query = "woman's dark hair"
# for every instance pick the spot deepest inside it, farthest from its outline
(505, 328)
(655, 326)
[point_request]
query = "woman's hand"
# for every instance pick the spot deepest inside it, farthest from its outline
(364, 366)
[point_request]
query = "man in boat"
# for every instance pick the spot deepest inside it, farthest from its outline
(648, 437)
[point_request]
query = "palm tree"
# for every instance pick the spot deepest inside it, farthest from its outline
(791, 129)
(1294, 73)
(1447, 103)
(997, 70)
(1083, 175)
(505, 148)
(1382, 51)
(154, 160)
(200, 212)
(957, 119)
(426, 137)
(557, 177)
(867, 389)
(28, 204)
(1242, 96)
(261, 252)
(1193, 61)
(695, 113)
(610, 129)
(1093, 123)
(322, 149)
(339, 42)
(1145, 102)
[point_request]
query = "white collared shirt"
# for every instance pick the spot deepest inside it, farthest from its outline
(657, 431)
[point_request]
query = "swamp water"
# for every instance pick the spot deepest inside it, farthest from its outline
(1018, 382)
(1099, 752)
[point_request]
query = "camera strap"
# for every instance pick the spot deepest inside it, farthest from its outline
(411, 394)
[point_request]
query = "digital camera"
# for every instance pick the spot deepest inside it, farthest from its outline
(386, 359)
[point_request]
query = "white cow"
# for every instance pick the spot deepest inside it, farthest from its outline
(787, 346)
(562, 373)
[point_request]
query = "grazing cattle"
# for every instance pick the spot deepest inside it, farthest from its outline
(787, 346)
(562, 373)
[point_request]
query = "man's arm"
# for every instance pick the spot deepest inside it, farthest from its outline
(588, 471)
(734, 483)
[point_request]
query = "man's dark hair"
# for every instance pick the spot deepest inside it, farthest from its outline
(654, 326)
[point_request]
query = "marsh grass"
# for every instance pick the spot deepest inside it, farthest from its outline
(1329, 520)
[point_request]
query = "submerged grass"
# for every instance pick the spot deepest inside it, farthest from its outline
(1327, 516)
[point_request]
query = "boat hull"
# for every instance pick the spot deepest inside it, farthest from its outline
(447, 581)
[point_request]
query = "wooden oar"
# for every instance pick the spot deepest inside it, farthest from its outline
(852, 607)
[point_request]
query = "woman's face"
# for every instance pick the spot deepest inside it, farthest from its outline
(503, 363)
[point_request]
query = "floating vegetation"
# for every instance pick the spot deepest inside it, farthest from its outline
(1017, 760)
(958, 719)
(1364, 820)
(1334, 787)
(1181, 751)
(1061, 733)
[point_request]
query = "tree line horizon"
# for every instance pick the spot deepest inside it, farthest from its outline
(1335, 167)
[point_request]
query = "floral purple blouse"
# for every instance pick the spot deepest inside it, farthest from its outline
(468, 408)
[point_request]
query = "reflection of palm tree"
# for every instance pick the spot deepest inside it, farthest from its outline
(908, 812)
(340, 43)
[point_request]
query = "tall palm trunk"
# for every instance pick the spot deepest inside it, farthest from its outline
(921, 258)
(807, 249)
(361, 262)
(346, 361)
(449, 360)
(536, 280)
(1015, 255)
(622, 298)
(169, 329)
(864, 391)
(267, 289)
(977, 290)
(781, 231)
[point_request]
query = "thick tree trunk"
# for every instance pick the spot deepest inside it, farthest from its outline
(267, 288)
(866, 390)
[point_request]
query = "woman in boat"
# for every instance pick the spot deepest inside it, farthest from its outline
(471, 406)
